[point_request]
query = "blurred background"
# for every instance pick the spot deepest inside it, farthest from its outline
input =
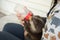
(38, 7)
(8, 7)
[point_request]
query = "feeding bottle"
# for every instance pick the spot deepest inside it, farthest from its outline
(28, 13)
(24, 11)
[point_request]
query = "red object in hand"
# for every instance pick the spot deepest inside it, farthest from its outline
(28, 16)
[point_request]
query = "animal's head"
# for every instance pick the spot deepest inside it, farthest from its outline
(35, 24)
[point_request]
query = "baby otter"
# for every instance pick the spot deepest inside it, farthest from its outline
(34, 27)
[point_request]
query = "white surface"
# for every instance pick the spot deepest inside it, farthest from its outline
(38, 7)
(8, 19)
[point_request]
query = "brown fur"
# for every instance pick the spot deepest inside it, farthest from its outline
(39, 23)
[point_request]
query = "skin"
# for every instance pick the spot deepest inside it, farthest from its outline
(20, 17)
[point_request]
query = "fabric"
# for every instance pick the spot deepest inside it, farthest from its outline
(14, 29)
(53, 25)
(7, 36)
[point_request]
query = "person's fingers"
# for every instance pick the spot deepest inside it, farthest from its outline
(19, 16)
(22, 23)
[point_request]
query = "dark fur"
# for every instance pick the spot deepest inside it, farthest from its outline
(39, 25)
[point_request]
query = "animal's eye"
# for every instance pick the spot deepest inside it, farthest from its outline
(57, 11)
